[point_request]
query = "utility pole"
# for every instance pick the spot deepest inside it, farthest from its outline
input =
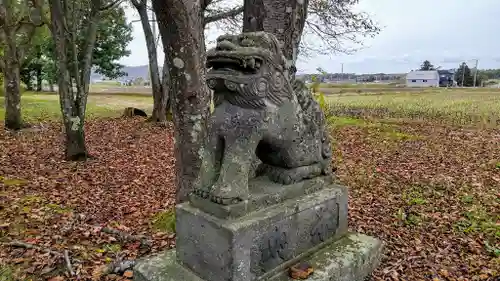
(475, 73)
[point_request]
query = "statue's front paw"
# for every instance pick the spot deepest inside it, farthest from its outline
(225, 200)
(228, 196)
(202, 192)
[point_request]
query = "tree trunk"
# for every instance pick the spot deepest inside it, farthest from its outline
(283, 18)
(70, 107)
(12, 77)
(39, 73)
(75, 149)
(159, 93)
(13, 120)
(180, 24)
(29, 84)
(165, 85)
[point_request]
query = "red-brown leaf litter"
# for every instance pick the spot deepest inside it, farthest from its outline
(431, 193)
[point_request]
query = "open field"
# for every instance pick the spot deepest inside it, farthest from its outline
(327, 88)
(458, 106)
(429, 190)
(480, 106)
(45, 106)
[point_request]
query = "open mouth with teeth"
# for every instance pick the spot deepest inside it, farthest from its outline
(247, 65)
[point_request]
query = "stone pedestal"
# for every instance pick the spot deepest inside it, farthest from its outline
(261, 238)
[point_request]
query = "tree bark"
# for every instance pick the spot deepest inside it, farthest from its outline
(75, 148)
(165, 85)
(13, 120)
(160, 98)
(283, 18)
(181, 28)
(39, 79)
(77, 67)
(12, 77)
(39, 72)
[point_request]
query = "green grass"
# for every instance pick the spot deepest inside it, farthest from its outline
(450, 106)
(359, 85)
(11, 181)
(379, 128)
(164, 221)
(457, 106)
(477, 219)
(37, 107)
(337, 121)
(107, 83)
(6, 273)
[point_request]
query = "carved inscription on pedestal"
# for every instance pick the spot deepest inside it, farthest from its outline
(327, 222)
(275, 249)
(295, 234)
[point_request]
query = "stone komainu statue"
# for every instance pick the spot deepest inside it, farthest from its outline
(258, 114)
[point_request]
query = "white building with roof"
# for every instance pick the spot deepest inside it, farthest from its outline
(422, 78)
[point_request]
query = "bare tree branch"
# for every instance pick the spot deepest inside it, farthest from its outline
(204, 4)
(68, 263)
(223, 15)
(335, 22)
(134, 21)
(110, 5)
(139, 3)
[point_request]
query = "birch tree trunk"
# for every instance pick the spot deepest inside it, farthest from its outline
(284, 18)
(181, 28)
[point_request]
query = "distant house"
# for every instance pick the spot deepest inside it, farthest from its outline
(446, 78)
(422, 78)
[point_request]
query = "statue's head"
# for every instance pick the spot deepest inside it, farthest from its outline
(250, 64)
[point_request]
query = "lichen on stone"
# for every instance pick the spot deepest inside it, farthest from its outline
(75, 123)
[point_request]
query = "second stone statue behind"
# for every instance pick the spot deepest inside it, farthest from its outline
(260, 116)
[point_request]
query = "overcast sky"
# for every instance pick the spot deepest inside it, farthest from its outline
(445, 32)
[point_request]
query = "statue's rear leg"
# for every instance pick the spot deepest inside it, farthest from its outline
(292, 175)
(290, 164)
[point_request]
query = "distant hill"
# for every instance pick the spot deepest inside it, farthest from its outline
(132, 73)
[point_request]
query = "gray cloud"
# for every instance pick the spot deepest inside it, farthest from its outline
(446, 32)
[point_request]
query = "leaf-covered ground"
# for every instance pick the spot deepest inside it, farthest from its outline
(431, 193)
